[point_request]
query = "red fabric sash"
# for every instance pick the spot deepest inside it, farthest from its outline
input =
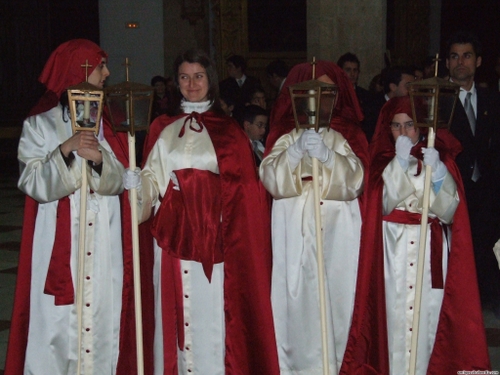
(187, 224)
(59, 282)
(405, 217)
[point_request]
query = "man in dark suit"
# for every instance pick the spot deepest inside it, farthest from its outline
(396, 80)
(477, 115)
(350, 64)
(238, 84)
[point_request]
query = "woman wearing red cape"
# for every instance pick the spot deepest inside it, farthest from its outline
(452, 335)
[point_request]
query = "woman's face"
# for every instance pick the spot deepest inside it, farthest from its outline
(193, 82)
(99, 74)
(402, 124)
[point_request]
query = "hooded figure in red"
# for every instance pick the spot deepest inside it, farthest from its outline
(43, 334)
(286, 172)
(451, 332)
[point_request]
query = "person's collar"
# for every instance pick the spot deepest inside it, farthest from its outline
(200, 107)
(472, 88)
(281, 84)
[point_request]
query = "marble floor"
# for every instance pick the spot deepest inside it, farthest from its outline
(11, 212)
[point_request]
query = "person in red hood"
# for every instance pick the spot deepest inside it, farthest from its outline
(43, 335)
(286, 172)
(451, 335)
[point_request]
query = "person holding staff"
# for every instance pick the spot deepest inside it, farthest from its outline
(451, 334)
(43, 336)
(212, 243)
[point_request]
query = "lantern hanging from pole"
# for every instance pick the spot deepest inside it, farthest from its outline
(129, 105)
(85, 104)
(433, 101)
(313, 102)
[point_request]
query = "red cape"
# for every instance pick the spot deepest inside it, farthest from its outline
(460, 342)
(250, 339)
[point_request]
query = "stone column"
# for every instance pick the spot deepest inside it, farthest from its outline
(335, 27)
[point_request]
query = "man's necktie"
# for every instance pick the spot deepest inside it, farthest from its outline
(476, 174)
(259, 153)
(240, 82)
(470, 112)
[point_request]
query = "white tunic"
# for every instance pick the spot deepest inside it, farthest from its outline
(404, 191)
(295, 298)
(53, 337)
(203, 302)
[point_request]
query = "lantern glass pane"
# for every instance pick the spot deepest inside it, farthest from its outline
(429, 105)
(124, 112)
(141, 110)
(311, 103)
(87, 111)
(305, 107)
(117, 105)
(327, 102)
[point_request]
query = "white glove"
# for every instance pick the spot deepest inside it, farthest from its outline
(316, 147)
(403, 148)
(175, 181)
(132, 179)
(296, 152)
(431, 157)
(299, 147)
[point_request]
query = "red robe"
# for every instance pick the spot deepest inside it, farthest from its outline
(460, 342)
(18, 337)
(62, 70)
(250, 341)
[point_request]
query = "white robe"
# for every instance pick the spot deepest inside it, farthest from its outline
(53, 337)
(203, 302)
(295, 298)
(404, 191)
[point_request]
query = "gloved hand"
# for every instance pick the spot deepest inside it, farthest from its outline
(296, 151)
(315, 146)
(132, 179)
(403, 148)
(431, 157)
(299, 147)
(175, 181)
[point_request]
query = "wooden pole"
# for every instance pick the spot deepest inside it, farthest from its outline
(81, 260)
(421, 259)
(136, 261)
(321, 268)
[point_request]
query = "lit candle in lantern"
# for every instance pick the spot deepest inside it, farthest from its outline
(311, 106)
(86, 109)
(431, 108)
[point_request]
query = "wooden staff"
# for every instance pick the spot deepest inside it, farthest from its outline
(431, 137)
(81, 260)
(421, 258)
(136, 261)
(319, 254)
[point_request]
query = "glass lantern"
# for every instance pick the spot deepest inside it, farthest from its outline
(313, 102)
(85, 104)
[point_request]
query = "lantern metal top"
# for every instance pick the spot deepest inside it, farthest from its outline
(312, 85)
(129, 105)
(433, 101)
